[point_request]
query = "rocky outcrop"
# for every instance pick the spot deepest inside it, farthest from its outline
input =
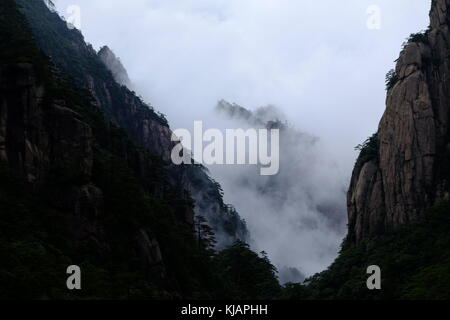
(83, 176)
(49, 145)
(36, 142)
(102, 74)
(42, 144)
(409, 173)
(115, 66)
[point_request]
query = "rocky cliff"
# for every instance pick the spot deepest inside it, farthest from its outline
(115, 66)
(106, 79)
(84, 177)
(404, 168)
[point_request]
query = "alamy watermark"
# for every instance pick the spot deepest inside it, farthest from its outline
(74, 280)
(374, 281)
(235, 147)
(374, 17)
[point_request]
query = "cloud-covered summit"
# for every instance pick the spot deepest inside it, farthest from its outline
(299, 215)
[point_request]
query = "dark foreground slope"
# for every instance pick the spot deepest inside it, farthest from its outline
(75, 188)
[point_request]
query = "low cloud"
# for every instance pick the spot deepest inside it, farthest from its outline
(316, 60)
(297, 216)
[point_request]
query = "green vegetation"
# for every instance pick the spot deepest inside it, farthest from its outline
(391, 79)
(415, 264)
(36, 246)
(419, 37)
(16, 45)
(248, 275)
(228, 220)
(369, 150)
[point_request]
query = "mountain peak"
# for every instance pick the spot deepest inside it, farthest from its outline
(114, 64)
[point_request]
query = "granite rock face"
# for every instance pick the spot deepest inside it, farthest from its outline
(42, 140)
(104, 76)
(34, 140)
(409, 173)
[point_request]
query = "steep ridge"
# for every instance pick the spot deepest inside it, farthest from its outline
(145, 127)
(404, 169)
(75, 189)
(116, 67)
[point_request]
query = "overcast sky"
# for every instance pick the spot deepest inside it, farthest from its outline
(317, 61)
